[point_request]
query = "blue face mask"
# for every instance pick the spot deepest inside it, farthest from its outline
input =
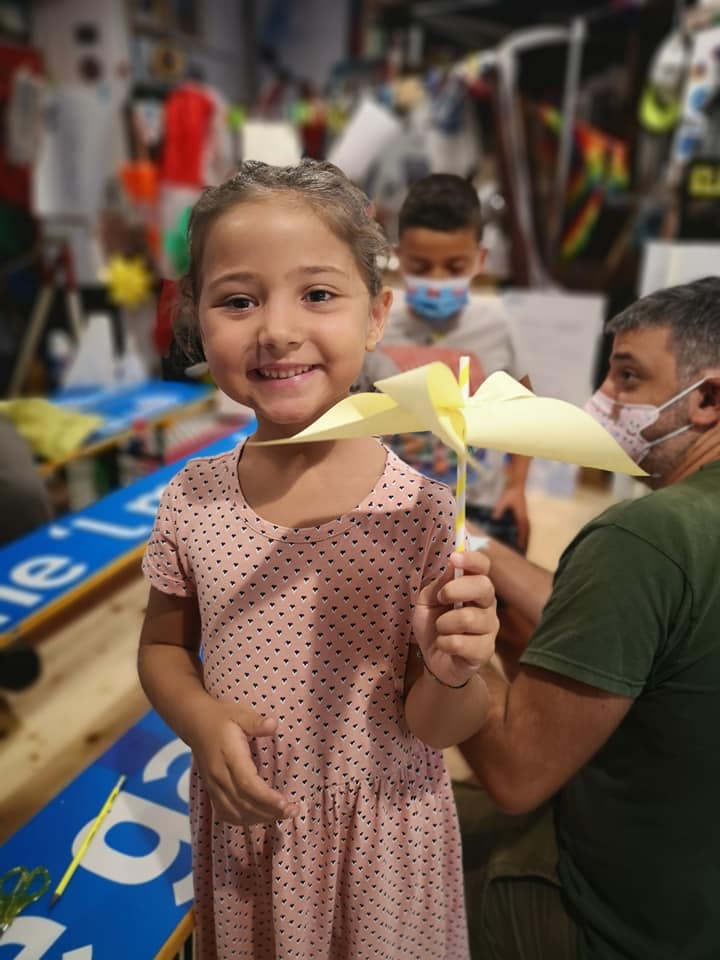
(436, 300)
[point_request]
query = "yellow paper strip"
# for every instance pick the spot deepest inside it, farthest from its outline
(501, 415)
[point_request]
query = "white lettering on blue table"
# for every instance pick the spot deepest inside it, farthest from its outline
(34, 574)
(31, 580)
(36, 935)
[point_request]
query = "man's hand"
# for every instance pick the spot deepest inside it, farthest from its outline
(513, 499)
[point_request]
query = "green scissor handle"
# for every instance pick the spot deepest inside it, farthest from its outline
(28, 886)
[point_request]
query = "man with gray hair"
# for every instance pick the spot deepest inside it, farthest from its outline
(612, 712)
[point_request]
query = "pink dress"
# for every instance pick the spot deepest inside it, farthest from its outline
(313, 627)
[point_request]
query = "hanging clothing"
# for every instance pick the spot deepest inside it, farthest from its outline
(197, 147)
(188, 117)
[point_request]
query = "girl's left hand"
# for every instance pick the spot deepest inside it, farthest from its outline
(456, 642)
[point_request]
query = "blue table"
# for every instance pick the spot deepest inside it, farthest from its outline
(123, 406)
(56, 565)
(133, 890)
(124, 409)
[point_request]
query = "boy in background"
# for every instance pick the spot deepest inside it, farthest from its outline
(439, 249)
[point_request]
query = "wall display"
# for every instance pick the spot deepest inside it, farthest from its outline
(185, 16)
(148, 15)
(166, 63)
(87, 33)
(165, 16)
(703, 79)
(700, 200)
(21, 93)
(15, 20)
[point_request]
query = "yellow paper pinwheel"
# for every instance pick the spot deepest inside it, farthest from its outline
(501, 415)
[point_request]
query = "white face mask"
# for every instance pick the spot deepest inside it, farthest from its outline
(625, 422)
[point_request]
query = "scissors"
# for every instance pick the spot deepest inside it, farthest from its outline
(28, 887)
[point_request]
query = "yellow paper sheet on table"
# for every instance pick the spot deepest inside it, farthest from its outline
(52, 431)
(501, 415)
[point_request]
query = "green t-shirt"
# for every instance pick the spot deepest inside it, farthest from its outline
(635, 610)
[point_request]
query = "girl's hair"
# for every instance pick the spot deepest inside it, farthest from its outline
(691, 311)
(342, 207)
(443, 202)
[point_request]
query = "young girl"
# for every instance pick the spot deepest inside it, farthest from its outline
(311, 575)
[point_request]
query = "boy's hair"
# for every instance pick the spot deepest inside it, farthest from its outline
(442, 201)
(342, 207)
(691, 311)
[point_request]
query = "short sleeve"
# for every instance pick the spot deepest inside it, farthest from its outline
(615, 602)
(166, 564)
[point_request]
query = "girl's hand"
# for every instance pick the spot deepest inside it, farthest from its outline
(456, 643)
(222, 754)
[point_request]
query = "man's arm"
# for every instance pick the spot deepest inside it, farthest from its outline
(513, 497)
(517, 581)
(614, 601)
(540, 731)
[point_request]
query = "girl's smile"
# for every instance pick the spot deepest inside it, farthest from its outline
(283, 375)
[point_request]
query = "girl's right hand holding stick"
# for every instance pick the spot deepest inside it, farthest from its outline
(455, 621)
(455, 625)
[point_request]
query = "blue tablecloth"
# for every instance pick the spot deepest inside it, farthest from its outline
(40, 569)
(134, 885)
(123, 406)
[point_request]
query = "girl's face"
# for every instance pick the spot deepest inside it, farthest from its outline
(285, 316)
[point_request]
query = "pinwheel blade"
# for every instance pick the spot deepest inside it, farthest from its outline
(361, 415)
(504, 415)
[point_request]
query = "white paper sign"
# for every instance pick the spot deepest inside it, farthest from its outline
(271, 142)
(667, 264)
(558, 335)
(368, 132)
(94, 363)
